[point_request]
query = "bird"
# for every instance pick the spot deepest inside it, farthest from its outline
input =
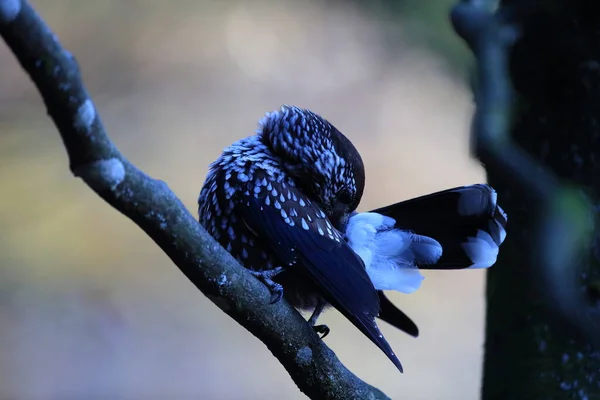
(283, 202)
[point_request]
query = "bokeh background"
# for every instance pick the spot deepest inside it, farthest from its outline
(90, 308)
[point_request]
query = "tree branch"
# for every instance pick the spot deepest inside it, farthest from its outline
(154, 207)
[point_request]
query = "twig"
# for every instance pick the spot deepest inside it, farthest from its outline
(565, 223)
(155, 208)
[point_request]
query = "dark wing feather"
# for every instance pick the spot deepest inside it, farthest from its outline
(450, 217)
(336, 270)
(396, 317)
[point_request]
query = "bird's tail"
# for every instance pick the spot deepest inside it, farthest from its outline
(457, 228)
(467, 222)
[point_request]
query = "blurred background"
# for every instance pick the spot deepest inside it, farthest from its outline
(90, 308)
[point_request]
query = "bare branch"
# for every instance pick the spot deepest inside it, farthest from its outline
(155, 208)
(565, 222)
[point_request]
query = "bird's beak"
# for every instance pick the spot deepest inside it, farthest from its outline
(339, 217)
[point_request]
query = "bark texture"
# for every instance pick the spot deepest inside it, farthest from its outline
(542, 318)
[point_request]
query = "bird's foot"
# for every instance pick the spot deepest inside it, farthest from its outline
(323, 330)
(266, 277)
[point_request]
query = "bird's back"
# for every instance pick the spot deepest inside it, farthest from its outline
(249, 161)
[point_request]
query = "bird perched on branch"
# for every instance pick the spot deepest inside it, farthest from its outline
(283, 203)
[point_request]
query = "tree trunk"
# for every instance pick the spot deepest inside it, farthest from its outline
(531, 352)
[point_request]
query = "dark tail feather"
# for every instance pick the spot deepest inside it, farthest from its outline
(466, 221)
(395, 317)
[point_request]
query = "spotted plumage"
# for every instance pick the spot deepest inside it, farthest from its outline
(283, 203)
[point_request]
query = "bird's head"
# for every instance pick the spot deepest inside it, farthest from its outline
(323, 162)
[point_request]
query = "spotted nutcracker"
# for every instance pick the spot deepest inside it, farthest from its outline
(283, 203)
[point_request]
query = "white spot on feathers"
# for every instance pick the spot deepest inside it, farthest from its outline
(229, 191)
(481, 249)
(242, 177)
(497, 230)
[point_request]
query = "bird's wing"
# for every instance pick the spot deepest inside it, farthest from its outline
(467, 221)
(301, 236)
(396, 317)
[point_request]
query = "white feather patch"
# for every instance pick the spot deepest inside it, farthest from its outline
(481, 249)
(501, 231)
(386, 252)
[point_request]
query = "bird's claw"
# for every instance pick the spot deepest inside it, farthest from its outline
(275, 288)
(321, 329)
(276, 293)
